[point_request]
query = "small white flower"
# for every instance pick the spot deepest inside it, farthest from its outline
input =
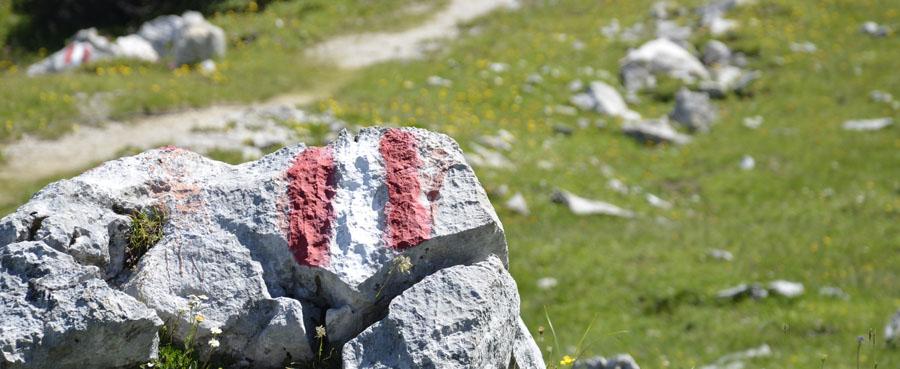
(214, 343)
(150, 365)
(320, 331)
(404, 264)
(216, 330)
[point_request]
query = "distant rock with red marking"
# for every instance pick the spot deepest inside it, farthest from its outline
(301, 238)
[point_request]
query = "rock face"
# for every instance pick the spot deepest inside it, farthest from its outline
(460, 317)
(56, 313)
(304, 237)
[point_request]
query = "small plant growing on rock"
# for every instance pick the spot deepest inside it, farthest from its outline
(187, 355)
(402, 264)
(146, 230)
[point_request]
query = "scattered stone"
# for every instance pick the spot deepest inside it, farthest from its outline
(833, 292)
(874, 29)
(716, 53)
(655, 132)
(694, 110)
(502, 140)
(534, 79)
(547, 283)
(517, 204)
(481, 156)
(736, 360)
(576, 85)
(302, 237)
(673, 31)
(720, 254)
(618, 186)
(658, 202)
(742, 291)
(604, 99)
(620, 361)
(498, 67)
(659, 56)
(727, 79)
(582, 206)
(803, 47)
(892, 329)
(458, 317)
(438, 81)
(881, 96)
(86, 46)
(611, 30)
(747, 162)
(207, 67)
(786, 288)
(753, 122)
(868, 124)
(563, 129)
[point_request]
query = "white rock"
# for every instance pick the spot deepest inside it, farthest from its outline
(86, 46)
(742, 291)
(547, 283)
(753, 122)
(655, 131)
(747, 162)
(892, 329)
(720, 254)
(197, 41)
(582, 206)
(736, 360)
(517, 204)
(660, 56)
(868, 124)
(658, 202)
(874, 29)
(135, 47)
(786, 288)
(803, 47)
(439, 81)
(716, 52)
(459, 317)
(606, 100)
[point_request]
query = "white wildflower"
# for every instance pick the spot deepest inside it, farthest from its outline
(214, 343)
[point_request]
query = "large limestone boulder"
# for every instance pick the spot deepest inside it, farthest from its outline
(304, 237)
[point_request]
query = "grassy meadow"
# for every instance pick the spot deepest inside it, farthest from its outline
(821, 206)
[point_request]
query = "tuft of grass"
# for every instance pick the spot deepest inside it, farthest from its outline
(146, 230)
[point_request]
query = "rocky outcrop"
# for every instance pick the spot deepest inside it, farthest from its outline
(305, 237)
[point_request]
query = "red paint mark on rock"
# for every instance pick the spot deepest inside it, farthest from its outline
(408, 221)
(310, 190)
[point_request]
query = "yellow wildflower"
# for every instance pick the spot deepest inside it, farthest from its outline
(566, 360)
(199, 318)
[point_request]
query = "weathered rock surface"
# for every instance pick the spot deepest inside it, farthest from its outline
(56, 313)
(198, 40)
(303, 237)
(460, 317)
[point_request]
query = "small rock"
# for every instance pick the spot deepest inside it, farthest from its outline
(620, 361)
(517, 204)
(753, 122)
(582, 206)
(673, 31)
(720, 254)
(438, 81)
(747, 162)
(868, 124)
(655, 132)
(563, 129)
(833, 292)
(198, 40)
(742, 291)
(659, 56)
(576, 85)
(617, 185)
(606, 100)
(892, 329)
(881, 96)
(803, 47)
(736, 360)
(547, 283)
(786, 288)
(874, 29)
(502, 140)
(481, 156)
(658, 202)
(611, 30)
(694, 110)
(716, 52)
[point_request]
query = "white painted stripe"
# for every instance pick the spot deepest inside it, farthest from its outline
(358, 242)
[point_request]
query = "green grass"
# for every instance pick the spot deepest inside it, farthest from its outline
(822, 206)
(263, 60)
(145, 231)
(797, 216)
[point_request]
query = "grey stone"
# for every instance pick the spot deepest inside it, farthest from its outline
(56, 313)
(736, 360)
(459, 317)
(892, 329)
(620, 361)
(604, 99)
(583, 206)
(786, 288)
(655, 131)
(720, 254)
(694, 110)
(716, 52)
(517, 204)
(868, 124)
(660, 56)
(742, 291)
(874, 29)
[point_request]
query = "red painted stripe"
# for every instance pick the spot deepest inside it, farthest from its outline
(67, 58)
(408, 221)
(310, 190)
